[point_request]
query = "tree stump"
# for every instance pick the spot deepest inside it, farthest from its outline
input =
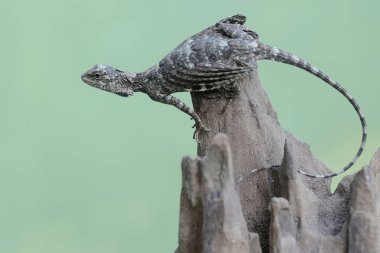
(274, 209)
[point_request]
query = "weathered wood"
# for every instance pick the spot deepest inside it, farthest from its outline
(302, 219)
(211, 219)
(282, 233)
(364, 223)
(257, 141)
(288, 211)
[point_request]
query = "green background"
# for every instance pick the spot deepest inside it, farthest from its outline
(83, 170)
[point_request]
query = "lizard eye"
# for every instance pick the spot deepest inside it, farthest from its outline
(97, 75)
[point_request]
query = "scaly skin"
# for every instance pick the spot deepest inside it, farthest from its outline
(212, 59)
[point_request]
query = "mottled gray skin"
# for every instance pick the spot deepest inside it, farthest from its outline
(212, 59)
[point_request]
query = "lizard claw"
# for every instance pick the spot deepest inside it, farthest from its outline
(198, 129)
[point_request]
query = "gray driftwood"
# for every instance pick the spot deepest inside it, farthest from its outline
(274, 209)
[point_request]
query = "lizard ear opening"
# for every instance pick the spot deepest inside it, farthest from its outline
(129, 76)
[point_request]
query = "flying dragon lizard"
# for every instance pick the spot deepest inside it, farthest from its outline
(215, 58)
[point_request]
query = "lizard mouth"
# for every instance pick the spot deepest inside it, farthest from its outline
(87, 80)
(84, 78)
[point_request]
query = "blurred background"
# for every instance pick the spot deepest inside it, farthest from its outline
(83, 170)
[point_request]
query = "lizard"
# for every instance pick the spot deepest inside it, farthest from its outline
(212, 59)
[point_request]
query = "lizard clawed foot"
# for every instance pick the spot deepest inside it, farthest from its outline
(198, 129)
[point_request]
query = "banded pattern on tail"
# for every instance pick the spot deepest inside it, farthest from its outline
(275, 54)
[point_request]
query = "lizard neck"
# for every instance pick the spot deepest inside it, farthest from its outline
(135, 80)
(147, 81)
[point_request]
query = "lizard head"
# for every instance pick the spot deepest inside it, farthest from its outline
(109, 79)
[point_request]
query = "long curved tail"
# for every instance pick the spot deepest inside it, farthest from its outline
(275, 54)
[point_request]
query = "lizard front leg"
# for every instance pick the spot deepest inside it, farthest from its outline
(170, 100)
